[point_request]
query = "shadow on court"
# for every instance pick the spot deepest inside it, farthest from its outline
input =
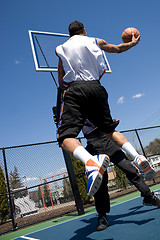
(85, 232)
(127, 221)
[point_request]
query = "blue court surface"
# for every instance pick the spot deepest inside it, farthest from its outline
(127, 221)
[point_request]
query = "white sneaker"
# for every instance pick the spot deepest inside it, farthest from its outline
(95, 169)
(143, 165)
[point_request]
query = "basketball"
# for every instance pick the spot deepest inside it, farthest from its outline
(127, 34)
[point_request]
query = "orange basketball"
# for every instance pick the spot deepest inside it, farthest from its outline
(127, 34)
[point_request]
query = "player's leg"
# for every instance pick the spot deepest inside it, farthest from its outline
(71, 122)
(102, 203)
(102, 199)
(136, 179)
(139, 160)
(118, 157)
(99, 114)
(95, 165)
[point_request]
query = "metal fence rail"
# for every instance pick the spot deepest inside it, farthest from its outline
(41, 183)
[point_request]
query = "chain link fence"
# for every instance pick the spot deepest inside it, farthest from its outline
(40, 184)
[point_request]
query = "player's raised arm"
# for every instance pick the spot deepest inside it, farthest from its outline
(111, 48)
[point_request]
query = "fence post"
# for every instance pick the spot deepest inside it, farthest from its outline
(140, 143)
(9, 191)
(73, 182)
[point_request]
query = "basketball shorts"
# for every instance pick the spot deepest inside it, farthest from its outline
(84, 99)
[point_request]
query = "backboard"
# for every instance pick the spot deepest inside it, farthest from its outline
(43, 45)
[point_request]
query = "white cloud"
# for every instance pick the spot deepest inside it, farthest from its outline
(121, 100)
(16, 61)
(138, 95)
(27, 179)
(61, 170)
(50, 174)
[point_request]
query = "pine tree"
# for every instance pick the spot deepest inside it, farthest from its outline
(4, 208)
(46, 195)
(14, 178)
(40, 201)
(15, 182)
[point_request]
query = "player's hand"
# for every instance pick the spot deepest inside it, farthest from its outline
(135, 40)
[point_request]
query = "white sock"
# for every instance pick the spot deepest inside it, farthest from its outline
(128, 148)
(82, 154)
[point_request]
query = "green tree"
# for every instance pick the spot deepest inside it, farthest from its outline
(121, 180)
(15, 182)
(40, 201)
(14, 179)
(46, 195)
(4, 208)
(153, 147)
(67, 189)
(82, 180)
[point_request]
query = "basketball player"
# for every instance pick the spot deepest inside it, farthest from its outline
(80, 68)
(98, 143)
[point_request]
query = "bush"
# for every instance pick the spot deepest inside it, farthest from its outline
(82, 180)
(4, 209)
(121, 180)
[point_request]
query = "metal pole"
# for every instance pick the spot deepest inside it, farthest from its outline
(9, 191)
(73, 182)
(140, 143)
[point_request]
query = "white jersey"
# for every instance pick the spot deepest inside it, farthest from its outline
(82, 59)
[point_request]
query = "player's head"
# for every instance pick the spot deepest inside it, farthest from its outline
(76, 28)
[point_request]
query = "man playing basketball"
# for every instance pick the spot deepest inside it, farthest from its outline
(79, 70)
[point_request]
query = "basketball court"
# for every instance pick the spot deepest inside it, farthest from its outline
(128, 220)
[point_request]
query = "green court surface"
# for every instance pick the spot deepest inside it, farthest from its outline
(126, 212)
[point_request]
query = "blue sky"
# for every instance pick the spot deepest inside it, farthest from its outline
(27, 97)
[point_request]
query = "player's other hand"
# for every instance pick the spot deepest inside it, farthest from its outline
(135, 40)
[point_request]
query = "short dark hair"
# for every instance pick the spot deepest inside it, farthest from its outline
(75, 28)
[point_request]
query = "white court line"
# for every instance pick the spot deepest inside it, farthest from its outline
(79, 217)
(29, 238)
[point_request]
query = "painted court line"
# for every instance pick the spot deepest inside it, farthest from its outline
(78, 217)
(29, 238)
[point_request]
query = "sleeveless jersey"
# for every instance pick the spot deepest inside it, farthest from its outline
(82, 59)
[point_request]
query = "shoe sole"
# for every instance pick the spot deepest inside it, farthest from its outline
(149, 175)
(98, 179)
(104, 163)
(146, 168)
(149, 204)
(95, 185)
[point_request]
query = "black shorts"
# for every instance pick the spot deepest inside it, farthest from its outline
(84, 99)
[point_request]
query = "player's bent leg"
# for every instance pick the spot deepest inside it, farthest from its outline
(70, 144)
(132, 173)
(95, 165)
(117, 137)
